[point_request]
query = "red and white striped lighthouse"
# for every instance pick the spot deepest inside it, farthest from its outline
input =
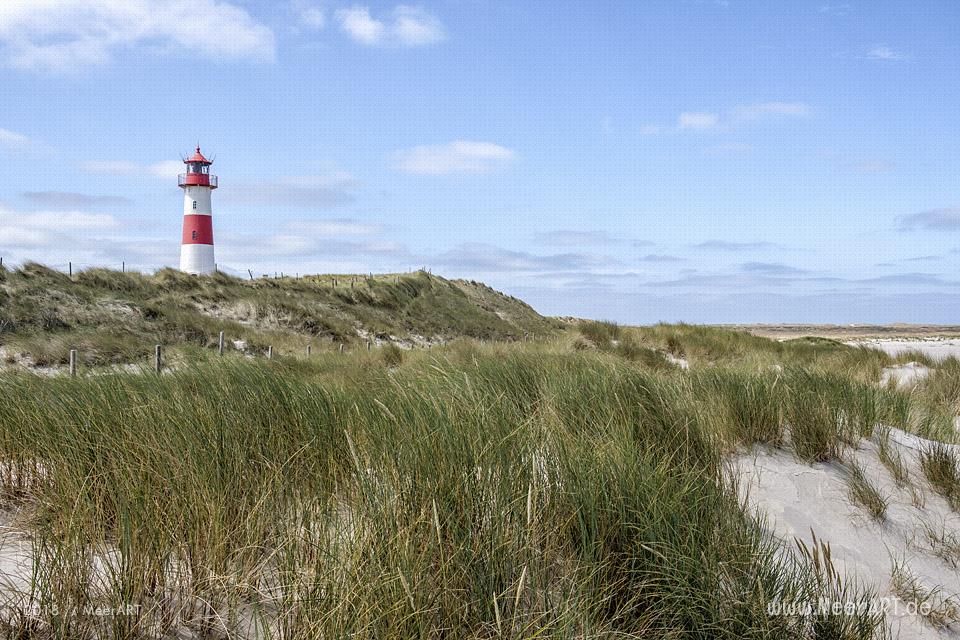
(196, 248)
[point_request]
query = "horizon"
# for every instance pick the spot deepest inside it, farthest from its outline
(719, 162)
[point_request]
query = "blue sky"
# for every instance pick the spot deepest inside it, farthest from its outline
(706, 161)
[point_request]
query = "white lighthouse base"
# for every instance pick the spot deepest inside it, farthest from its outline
(197, 259)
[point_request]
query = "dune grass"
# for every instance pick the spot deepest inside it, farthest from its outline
(942, 386)
(864, 493)
(939, 465)
(114, 317)
(891, 458)
(944, 543)
(470, 491)
(568, 487)
(939, 610)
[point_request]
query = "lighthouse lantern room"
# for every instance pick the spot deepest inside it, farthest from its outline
(196, 248)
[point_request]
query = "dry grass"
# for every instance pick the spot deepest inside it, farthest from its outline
(938, 610)
(939, 466)
(864, 493)
(943, 543)
(891, 458)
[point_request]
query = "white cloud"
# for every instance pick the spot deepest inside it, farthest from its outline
(413, 26)
(285, 244)
(310, 14)
(410, 26)
(302, 192)
(459, 156)
(836, 9)
(58, 35)
(475, 257)
(167, 169)
(706, 120)
(12, 141)
(67, 220)
(42, 228)
(945, 219)
(697, 120)
(55, 220)
(247, 250)
(360, 25)
(723, 245)
(20, 236)
(768, 109)
(885, 53)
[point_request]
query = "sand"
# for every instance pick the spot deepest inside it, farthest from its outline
(849, 331)
(795, 497)
(904, 376)
(937, 349)
(15, 558)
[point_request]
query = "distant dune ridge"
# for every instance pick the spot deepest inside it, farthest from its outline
(112, 317)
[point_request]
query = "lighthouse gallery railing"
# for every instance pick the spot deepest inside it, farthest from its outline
(197, 180)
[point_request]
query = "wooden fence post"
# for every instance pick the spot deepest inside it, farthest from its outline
(73, 363)
(70, 268)
(220, 346)
(308, 350)
(270, 353)
(368, 345)
(157, 358)
(341, 347)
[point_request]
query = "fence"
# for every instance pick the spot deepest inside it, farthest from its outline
(157, 361)
(123, 266)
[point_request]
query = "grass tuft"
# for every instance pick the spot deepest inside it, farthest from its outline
(891, 458)
(600, 333)
(939, 611)
(939, 465)
(864, 493)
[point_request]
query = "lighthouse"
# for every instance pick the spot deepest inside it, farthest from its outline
(196, 248)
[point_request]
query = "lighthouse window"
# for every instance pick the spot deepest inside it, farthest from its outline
(194, 205)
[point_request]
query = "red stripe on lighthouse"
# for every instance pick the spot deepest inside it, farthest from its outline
(197, 229)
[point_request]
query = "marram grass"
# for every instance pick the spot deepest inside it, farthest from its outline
(472, 491)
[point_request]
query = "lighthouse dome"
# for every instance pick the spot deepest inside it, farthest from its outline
(197, 157)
